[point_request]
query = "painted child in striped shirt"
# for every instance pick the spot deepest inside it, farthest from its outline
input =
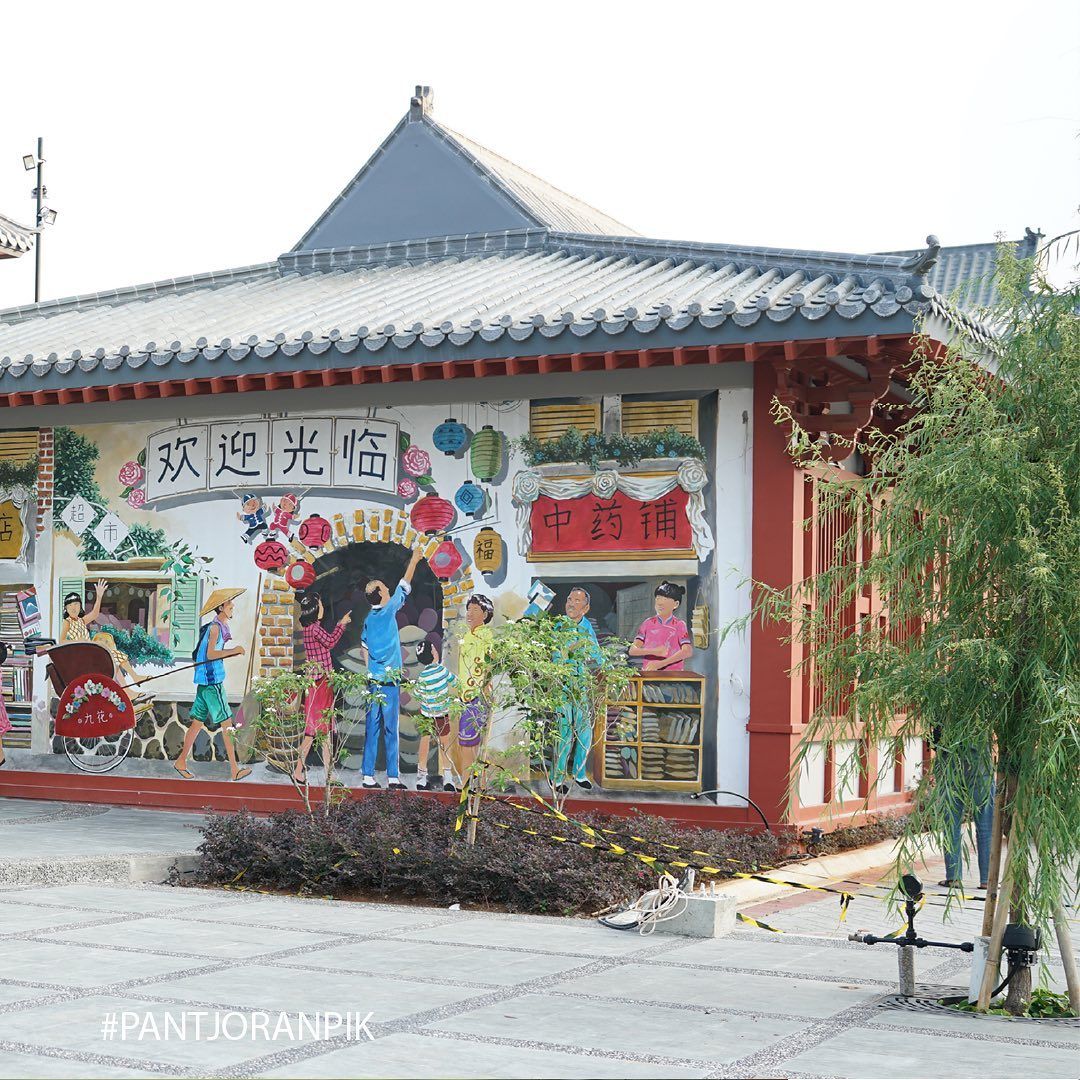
(434, 685)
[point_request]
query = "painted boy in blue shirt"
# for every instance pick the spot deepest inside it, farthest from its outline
(381, 641)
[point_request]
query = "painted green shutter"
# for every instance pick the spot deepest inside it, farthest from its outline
(184, 615)
(68, 585)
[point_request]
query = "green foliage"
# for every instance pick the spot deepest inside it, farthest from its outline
(18, 473)
(975, 505)
(591, 448)
(76, 458)
(534, 668)
(143, 542)
(141, 647)
(1045, 1004)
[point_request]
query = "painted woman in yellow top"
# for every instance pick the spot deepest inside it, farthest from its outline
(473, 651)
(76, 621)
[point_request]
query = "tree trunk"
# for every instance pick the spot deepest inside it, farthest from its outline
(1068, 957)
(1001, 915)
(997, 833)
(1019, 995)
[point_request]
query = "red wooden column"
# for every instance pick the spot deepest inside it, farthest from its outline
(776, 706)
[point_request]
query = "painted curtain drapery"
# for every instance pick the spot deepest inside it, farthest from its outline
(691, 476)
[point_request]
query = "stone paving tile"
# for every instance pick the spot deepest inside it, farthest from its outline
(340, 917)
(991, 1027)
(469, 963)
(206, 934)
(608, 1025)
(274, 989)
(863, 1053)
(140, 899)
(17, 918)
(540, 935)
(10, 994)
(77, 1025)
(422, 1056)
(17, 1066)
(785, 994)
(71, 964)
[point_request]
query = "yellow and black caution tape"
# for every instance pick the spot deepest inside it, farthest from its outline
(757, 922)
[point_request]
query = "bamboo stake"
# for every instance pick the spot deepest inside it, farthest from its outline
(996, 837)
(1068, 959)
(997, 932)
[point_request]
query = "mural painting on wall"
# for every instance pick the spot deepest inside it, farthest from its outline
(388, 547)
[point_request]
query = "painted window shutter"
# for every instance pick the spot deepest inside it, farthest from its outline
(18, 446)
(184, 614)
(641, 417)
(69, 585)
(550, 421)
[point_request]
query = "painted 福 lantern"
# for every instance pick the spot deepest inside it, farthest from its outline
(271, 555)
(470, 498)
(486, 453)
(446, 560)
(431, 514)
(300, 574)
(450, 437)
(488, 551)
(314, 531)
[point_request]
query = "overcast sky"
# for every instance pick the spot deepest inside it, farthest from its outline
(194, 136)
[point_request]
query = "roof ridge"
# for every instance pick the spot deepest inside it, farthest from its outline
(10, 316)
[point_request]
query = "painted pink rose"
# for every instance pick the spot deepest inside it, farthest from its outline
(416, 461)
(131, 473)
(136, 498)
(408, 489)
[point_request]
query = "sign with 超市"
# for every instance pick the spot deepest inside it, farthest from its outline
(619, 526)
(290, 453)
(92, 706)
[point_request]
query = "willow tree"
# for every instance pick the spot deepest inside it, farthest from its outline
(973, 504)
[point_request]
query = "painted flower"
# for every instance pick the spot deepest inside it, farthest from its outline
(408, 489)
(136, 498)
(416, 461)
(131, 473)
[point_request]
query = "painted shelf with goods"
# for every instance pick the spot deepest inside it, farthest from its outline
(16, 676)
(651, 738)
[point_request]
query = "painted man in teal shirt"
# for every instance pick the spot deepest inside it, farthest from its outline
(574, 715)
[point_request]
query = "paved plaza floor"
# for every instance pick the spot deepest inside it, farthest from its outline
(464, 994)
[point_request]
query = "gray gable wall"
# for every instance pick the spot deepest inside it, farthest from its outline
(416, 185)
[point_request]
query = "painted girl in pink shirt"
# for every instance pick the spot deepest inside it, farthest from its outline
(663, 641)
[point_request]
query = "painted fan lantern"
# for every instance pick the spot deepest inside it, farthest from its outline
(431, 514)
(300, 574)
(488, 551)
(314, 531)
(450, 437)
(486, 453)
(470, 498)
(446, 560)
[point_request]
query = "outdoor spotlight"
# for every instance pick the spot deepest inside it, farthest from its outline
(48, 217)
(29, 162)
(911, 886)
(1022, 943)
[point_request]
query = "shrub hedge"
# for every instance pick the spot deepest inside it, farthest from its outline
(351, 853)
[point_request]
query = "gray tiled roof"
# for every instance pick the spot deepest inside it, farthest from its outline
(513, 285)
(964, 274)
(15, 239)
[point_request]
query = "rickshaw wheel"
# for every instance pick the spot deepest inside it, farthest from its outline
(85, 754)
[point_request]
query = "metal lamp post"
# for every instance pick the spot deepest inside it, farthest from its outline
(43, 214)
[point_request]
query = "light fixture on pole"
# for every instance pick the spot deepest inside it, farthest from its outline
(44, 215)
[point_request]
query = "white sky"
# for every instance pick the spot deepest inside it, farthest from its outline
(195, 136)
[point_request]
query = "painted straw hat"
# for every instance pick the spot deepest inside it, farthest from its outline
(217, 598)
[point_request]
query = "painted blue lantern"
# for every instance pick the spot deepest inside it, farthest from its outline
(450, 437)
(470, 498)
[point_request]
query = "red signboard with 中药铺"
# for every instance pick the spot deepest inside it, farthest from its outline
(616, 526)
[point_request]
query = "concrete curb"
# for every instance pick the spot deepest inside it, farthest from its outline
(820, 871)
(98, 869)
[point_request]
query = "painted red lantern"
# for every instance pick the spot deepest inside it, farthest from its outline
(431, 514)
(271, 555)
(300, 574)
(314, 531)
(446, 560)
